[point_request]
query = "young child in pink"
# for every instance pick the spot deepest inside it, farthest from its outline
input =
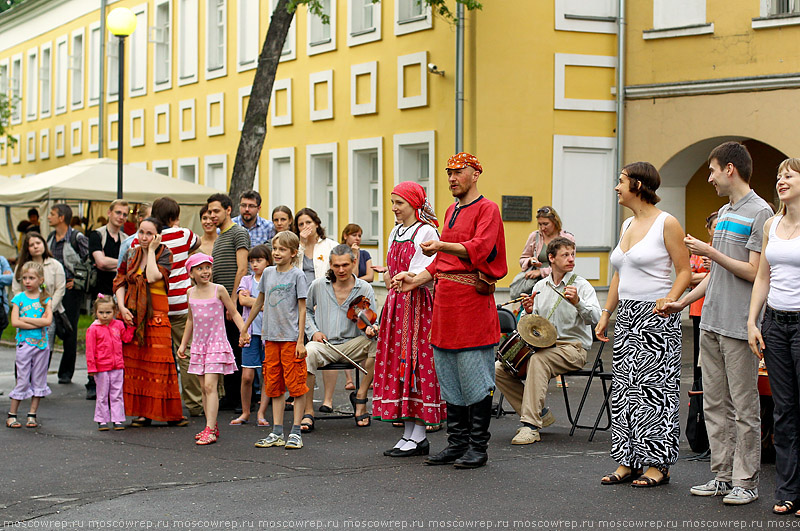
(104, 339)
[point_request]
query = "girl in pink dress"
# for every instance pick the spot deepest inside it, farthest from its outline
(406, 388)
(211, 353)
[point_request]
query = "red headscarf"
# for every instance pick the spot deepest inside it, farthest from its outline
(414, 193)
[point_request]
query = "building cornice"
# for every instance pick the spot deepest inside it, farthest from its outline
(713, 86)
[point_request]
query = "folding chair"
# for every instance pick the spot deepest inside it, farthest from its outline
(508, 325)
(596, 371)
(339, 366)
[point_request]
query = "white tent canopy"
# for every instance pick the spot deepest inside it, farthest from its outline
(91, 181)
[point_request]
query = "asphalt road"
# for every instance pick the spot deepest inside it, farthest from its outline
(66, 474)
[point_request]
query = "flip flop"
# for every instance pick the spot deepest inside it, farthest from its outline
(238, 421)
(263, 422)
(307, 427)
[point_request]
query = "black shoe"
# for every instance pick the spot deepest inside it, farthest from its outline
(422, 448)
(64, 380)
(91, 393)
(480, 416)
(390, 451)
(457, 436)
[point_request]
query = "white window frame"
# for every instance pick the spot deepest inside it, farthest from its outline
(318, 150)
(280, 154)
(363, 35)
(44, 144)
(363, 69)
(411, 25)
(16, 78)
(289, 51)
(354, 146)
(137, 53)
(563, 191)
(767, 20)
(76, 127)
(324, 45)
(189, 162)
(248, 36)
(3, 151)
(188, 42)
(161, 36)
(183, 132)
(93, 124)
(663, 30)
(421, 100)
(161, 164)
(142, 164)
(30, 146)
(32, 85)
(213, 160)
(112, 70)
(93, 88)
(574, 18)
(405, 141)
(211, 99)
(132, 116)
(113, 119)
(46, 80)
(59, 132)
(16, 149)
(244, 92)
(159, 110)
(283, 119)
(315, 78)
(215, 71)
(562, 60)
(4, 76)
(76, 61)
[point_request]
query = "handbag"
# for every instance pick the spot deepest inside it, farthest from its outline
(63, 326)
(696, 432)
(521, 285)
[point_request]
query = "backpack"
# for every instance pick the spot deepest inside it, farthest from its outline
(84, 272)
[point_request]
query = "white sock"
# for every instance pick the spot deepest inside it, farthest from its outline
(417, 436)
(409, 429)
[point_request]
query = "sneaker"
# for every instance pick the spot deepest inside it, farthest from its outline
(102, 426)
(526, 435)
(272, 439)
(547, 417)
(740, 496)
(295, 442)
(712, 488)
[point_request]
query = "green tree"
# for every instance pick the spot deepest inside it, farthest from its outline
(6, 106)
(254, 129)
(5, 5)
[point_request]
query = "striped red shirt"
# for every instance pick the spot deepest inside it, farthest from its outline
(179, 241)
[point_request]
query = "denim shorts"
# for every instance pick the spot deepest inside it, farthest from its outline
(253, 354)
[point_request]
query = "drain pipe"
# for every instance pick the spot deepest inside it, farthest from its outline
(620, 105)
(459, 77)
(101, 82)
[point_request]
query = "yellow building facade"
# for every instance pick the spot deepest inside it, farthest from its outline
(358, 105)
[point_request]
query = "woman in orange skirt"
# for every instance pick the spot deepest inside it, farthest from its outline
(150, 389)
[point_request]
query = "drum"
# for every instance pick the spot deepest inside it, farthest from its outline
(513, 354)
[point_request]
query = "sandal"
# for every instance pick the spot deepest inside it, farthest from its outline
(325, 409)
(399, 424)
(359, 418)
(307, 427)
(12, 422)
(649, 482)
(433, 428)
(615, 479)
(141, 422)
(350, 386)
(180, 423)
(263, 422)
(31, 422)
(784, 507)
(238, 421)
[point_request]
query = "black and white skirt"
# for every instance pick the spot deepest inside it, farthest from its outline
(645, 399)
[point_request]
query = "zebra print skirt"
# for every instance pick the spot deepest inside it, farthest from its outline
(645, 398)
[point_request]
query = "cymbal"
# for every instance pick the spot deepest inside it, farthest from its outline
(537, 331)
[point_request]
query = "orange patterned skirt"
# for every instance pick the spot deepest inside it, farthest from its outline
(151, 381)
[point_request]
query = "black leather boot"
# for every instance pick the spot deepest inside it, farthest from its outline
(480, 414)
(457, 436)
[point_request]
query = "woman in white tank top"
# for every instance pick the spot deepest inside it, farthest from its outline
(778, 341)
(645, 397)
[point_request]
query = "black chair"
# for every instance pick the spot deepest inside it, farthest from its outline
(508, 325)
(595, 371)
(339, 366)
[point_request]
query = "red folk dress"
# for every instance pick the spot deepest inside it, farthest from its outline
(406, 387)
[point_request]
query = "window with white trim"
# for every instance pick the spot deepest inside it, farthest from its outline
(281, 177)
(322, 36)
(321, 182)
(411, 16)
(59, 140)
(4, 77)
(597, 16)
(366, 191)
(93, 132)
(31, 94)
(162, 46)
(137, 78)
(45, 72)
(289, 51)
(76, 138)
(248, 38)
(44, 144)
(30, 146)
(164, 167)
(216, 172)
(187, 41)
(678, 13)
(16, 150)
(216, 35)
(113, 131)
(363, 22)
(76, 65)
(16, 89)
(3, 151)
(94, 63)
(414, 154)
(113, 67)
(281, 103)
(187, 169)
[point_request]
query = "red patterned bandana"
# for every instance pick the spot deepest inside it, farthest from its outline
(462, 160)
(414, 193)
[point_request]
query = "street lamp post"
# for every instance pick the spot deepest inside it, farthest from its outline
(121, 23)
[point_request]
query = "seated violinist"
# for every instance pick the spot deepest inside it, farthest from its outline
(570, 304)
(329, 299)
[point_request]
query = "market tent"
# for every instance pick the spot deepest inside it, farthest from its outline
(90, 185)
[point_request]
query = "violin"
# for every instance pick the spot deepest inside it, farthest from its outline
(361, 313)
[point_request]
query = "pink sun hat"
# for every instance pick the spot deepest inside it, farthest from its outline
(197, 259)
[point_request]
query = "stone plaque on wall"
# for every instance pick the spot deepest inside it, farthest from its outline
(517, 208)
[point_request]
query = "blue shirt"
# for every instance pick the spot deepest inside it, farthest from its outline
(6, 276)
(31, 308)
(123, 249)
(262, 232)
